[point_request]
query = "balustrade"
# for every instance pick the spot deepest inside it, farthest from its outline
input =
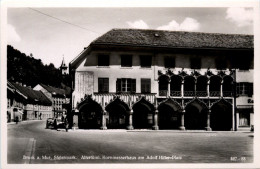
(189, 93)
(126, 97)
(214, 93)
(175, 93)
(163, 92)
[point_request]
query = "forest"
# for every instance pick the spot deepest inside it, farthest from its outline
(30, 71)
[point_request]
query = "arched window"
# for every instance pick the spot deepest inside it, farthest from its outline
(201, 86)
(189, 86)
(163, 85)
(214, 86)
(176, 85)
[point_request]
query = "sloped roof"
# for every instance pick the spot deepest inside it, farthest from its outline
(174, 39)
(57, 91)
(33, 95)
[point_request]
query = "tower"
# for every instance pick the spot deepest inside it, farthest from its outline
(63, 67)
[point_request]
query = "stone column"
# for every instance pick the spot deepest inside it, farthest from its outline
(169, 88)
(195, 88)
(233, 116)
(208, 121)
(75, 124)
(104, 125)
(208, 83)
(221, 89)
(182, 127)
(155, 120)
(130, 125)
(182, 88)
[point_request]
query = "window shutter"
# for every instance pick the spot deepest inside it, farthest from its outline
(106, 85)
(118, 85)
(133, 85)
(100, 85)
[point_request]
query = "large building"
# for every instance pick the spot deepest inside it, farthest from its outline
(151, 79)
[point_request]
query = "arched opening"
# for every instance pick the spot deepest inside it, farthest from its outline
(195, 117)
(143, 114)
(221, 116)
(214, 86)
(227, 86)
(169, 116)
(163, 85)
(90, 115)
(118, 114)
(176, 85)
(201, 86)
(189, 86)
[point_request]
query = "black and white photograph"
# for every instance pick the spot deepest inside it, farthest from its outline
(154, 86)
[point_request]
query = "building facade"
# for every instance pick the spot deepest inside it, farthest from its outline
(58, 97)
(150, 79)
(24, 103)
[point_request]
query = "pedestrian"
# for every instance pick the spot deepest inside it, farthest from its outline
(16, 119)
(40, 116)
(66, 124)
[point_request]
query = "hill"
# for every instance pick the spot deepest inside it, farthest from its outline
(30, 71)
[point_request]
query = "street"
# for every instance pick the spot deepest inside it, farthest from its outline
(30, 142)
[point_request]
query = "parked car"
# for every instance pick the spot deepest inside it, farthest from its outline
(59, 123)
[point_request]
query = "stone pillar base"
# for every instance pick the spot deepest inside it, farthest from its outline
(208, 129)
(75, 128)
(155, 127)
(182, 128)
(103, 127)
(130, 128)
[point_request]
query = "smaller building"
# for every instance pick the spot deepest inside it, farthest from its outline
(15, 104)
(30, 104)
(59, 97)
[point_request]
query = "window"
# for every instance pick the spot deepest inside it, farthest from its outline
(103, 60)
(169, 62)
(103, 85)
(244, 88)
(195, 63)
(221, 63)
(145, 85)
(146, 61)
(126, 60)
(244, 118)
(125, 85)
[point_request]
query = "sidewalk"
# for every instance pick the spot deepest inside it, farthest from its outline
(26, 121)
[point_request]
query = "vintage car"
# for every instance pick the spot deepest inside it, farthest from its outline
(55, 122)
(50, 123)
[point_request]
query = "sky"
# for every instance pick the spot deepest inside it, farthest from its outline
(50, 34)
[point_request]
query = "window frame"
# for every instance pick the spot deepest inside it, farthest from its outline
(168, 60)
(126, 85)
(195, 63)
(144, 59)
(126, 58)
(101, 87)
(144, 85)
(103, 60)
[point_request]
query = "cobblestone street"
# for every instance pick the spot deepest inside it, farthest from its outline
(30, 142)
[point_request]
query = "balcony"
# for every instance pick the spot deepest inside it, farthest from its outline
(126, 97)
(214, 93)
(163, 92)
(227, 94)
(175, 93)
(201, 93)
